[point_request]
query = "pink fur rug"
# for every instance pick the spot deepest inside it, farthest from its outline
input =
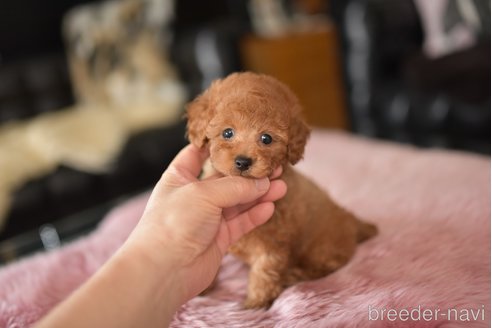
(429, 267)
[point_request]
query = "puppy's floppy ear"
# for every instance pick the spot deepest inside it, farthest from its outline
(298, 135)
(199, 113)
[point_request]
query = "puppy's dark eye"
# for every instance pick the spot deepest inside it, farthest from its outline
(228, 133)
(266, 139)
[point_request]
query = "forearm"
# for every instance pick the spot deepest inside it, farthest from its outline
(131, 290)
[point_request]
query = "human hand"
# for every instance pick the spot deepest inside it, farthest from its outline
(174, 251)
(194, 222)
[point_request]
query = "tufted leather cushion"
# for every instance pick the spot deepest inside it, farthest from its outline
(396, 92)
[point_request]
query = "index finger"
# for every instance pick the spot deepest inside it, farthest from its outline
(186, 166)
(276, 173)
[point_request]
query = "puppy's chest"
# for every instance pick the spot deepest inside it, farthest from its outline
(296, 216)
(272, 235)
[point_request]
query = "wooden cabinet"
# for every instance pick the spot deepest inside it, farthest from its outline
(308, 62)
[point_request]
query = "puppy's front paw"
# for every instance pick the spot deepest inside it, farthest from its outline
(257, 303)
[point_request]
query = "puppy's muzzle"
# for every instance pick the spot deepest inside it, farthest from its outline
(243, 163)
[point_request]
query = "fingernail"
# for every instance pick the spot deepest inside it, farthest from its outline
(262, 184)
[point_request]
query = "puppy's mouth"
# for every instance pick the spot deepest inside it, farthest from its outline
(236, 172)
(250, 173)
(244, 167)
(245, 174)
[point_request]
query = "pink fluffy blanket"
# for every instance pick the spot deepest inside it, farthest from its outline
(428, 267)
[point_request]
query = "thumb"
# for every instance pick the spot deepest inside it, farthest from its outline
(231, 191)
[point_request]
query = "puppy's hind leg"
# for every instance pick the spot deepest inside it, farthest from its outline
(325, 257)
(365, 231)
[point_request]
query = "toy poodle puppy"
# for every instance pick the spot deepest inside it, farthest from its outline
(251, 124)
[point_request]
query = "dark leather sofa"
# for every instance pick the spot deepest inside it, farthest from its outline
(396, 92)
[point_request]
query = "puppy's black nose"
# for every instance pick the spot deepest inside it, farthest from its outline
(243, 163)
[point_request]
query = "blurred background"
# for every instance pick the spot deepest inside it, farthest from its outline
(92, 93)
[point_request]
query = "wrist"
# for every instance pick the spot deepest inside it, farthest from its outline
(159, 272)
(130, 290)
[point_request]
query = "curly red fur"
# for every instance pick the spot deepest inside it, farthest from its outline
(199, 114)
(309, 235)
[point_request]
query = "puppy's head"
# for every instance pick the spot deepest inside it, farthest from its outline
(251, 124)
